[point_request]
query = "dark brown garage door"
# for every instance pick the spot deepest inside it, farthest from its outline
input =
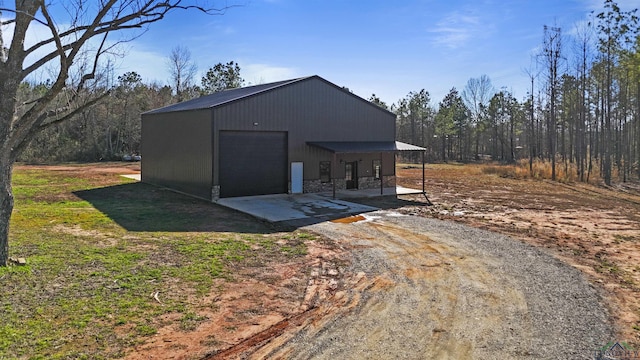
(252, 163)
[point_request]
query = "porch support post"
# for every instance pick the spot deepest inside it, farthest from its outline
(424, 192)
(333, 174)
(381, 177)
(423, 189)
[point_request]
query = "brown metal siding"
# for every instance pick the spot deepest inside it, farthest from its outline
(309, 110)
(176, 151)
(365, 164)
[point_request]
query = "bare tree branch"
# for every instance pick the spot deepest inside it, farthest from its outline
(31, 119)
(72, 46)
(146, 14)
(55, 35)
(84, 106)
(11, 21)
(7, 22)
(91, 75)
(145, 17)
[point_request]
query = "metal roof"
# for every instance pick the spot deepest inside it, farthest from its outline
(222, 97)
(364, 146)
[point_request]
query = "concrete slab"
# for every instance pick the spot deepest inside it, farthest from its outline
(132, 176)
(287, 207)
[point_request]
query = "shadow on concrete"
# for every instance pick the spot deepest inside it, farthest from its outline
(394, 202)
(284, 208)
(144, 207)
(379, 203)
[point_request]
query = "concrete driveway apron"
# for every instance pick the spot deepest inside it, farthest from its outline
(286, 207)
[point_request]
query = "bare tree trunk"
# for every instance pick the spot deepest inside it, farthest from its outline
(552, 57)
(512, 144)
(476, 155)
(582, 124)
(68, 48)
(636, 119)
(607, 132)
(8, 85)
(6, 207)
(532, 135)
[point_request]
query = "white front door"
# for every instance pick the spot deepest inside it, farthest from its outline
(296, 177)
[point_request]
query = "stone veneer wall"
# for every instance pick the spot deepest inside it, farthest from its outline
(364, 182)
(369, 182)
(315, 186)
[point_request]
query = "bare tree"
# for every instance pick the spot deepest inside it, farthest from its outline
(616, 28)
(476, 96)
(551, 57)
(182, 70)
(583, 41)
(75, 43)
(531, 74)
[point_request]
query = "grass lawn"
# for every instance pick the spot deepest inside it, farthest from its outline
(108, 259)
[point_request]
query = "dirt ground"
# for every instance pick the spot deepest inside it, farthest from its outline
(594, 229)
(260, 303)
(120, 168)
(441, 290)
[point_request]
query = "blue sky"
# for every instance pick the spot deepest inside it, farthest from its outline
(378, 46)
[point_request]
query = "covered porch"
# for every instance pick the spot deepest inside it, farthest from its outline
(372, 148)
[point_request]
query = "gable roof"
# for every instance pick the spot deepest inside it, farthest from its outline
(227, 96)
(222, 97)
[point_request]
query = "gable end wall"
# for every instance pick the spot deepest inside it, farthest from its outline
(310, 110)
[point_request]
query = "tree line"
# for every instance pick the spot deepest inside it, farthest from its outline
(581, 115)
(111, 129)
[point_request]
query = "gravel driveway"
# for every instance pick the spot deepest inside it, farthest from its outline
(433, 289)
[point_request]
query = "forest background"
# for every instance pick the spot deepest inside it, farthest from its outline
(580, 120)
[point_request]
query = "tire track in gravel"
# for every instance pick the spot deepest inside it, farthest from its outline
(457, 290)
(431, 289)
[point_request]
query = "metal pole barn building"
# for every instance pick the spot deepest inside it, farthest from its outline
(293, 136)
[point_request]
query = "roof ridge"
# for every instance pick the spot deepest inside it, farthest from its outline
(225, 96)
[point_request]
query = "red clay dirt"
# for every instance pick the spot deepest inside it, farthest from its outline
(120, 168)
(593, 228)
(259, 304)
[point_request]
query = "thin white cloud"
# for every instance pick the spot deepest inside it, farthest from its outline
(151, 66)
(264, 73)
(456, 29)
(226, 30)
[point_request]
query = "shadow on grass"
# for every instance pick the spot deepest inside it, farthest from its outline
(143, 207)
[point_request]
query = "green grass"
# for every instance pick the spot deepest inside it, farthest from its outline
(97, 253)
